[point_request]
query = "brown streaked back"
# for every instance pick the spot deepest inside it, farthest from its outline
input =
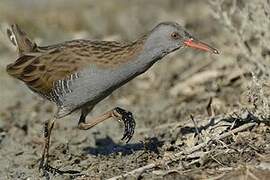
(40, 70)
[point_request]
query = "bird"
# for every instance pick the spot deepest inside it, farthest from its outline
(76, 75)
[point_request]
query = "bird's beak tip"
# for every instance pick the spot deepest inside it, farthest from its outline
(200, 45)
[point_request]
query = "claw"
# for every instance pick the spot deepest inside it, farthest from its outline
(49, 169)
(129, 123)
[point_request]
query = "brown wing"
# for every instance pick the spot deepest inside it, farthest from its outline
(40, 70)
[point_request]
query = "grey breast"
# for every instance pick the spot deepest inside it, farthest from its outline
(94, 84)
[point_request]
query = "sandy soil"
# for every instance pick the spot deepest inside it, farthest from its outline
(164, 101)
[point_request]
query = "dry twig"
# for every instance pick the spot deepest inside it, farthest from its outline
(179, 155)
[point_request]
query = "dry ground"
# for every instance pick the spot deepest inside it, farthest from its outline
(229, 139)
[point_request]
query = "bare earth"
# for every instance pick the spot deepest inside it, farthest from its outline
(179, 134)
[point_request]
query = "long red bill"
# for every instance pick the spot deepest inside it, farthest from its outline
(200, 45)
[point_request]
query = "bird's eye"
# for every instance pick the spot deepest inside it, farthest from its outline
(175, 35)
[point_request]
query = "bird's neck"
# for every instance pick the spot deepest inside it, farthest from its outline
(145, 58)
(149, 54)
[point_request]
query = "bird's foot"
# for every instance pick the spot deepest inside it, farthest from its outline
(128, 120)
(47, 169)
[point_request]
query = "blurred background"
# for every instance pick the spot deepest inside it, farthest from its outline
(178, 86)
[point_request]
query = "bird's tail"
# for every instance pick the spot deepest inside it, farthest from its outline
(26, 50)
(20, 39)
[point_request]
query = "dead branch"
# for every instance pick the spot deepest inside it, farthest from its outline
(179, 155)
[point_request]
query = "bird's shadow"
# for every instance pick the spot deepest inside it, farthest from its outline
(106, 146)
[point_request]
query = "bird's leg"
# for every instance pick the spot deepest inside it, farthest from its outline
(47, 134)
(44, 163)
(118, 113)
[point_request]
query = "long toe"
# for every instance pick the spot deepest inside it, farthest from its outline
(129, 123)
(49, 169)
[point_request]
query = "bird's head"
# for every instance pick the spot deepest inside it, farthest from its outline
(167, 37)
